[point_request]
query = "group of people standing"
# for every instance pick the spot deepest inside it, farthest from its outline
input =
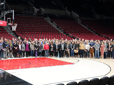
(58, 48)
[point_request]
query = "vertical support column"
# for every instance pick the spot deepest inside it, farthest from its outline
(4, 4)
(4, 12)
(4, 17)
(2, 8)
(13, 16)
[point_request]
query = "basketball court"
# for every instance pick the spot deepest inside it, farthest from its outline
(51, 71)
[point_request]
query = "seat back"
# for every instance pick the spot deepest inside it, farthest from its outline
(94, 81)
(111, 80)
(83, 82)
(60, 84)
(103, 81)
(72, 83)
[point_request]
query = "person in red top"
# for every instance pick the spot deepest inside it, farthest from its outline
(46, 48)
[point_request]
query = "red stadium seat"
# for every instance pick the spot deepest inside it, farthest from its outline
(75, 29)
(32, 27)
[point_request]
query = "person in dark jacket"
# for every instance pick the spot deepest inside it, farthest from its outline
(1, 49)
(66, 51)
(15, 49)
(51, 48)
(112, 49)
(40, 49)
(62, 49)
(56, 48)
(20, 49)
(23, 49)
(72, 47)
(76, 51)
(36, 48)
(5, 48)
(43, 51)
(109, 50)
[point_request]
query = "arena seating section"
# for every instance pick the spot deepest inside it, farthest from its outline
(37, 27)
(34, 27)
(94, 81)
(75, 29)
(4, 33)
(101, 27)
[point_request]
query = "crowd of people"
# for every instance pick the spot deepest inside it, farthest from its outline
(78, 48)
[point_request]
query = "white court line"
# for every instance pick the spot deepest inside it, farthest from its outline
(83, 69)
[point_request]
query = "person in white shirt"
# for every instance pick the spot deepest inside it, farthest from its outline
(87, 47)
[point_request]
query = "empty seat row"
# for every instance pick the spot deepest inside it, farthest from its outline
(4, 33)
(75, 29)
(103, 28)
(95, 81)
(35, 27)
